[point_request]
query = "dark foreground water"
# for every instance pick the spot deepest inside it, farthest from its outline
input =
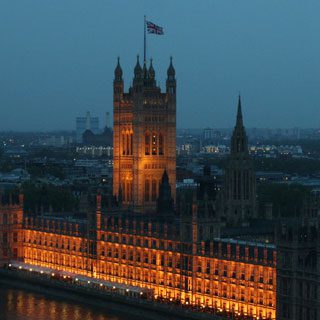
(21, 304)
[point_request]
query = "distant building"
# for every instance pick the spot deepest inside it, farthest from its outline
(103, 139)
(17, 175)
(208, 133)
(86, 123)
(220, 150)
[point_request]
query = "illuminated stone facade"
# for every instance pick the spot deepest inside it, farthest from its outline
(225, 275)
(144, 137)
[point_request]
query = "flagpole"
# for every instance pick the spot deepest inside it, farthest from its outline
(145, 41)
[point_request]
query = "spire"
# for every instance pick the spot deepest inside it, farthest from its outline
(239, 140)
(118, 71)
(239, 113)
(171, 72)
(137, 69)
(171, 81)
(145, 70)
(165, 201)
(165, 178)
(151, 70)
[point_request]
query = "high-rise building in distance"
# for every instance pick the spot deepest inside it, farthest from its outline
(86, 123)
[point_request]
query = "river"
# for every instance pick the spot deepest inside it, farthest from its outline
(22, 304)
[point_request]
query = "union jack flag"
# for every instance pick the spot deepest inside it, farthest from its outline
(153, 28)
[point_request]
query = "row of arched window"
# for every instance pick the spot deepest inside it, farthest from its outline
(154, 143)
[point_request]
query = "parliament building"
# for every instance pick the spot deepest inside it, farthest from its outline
(143, 241)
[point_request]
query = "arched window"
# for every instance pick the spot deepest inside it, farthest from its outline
(128, 191)
(161, 152)
(154, 144)
(131, 143)
(123, 143)
(154, 190)
(127, 143)
(146, 190)
(147, 143)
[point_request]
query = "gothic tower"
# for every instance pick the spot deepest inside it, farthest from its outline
(240, 181)
(144, 137)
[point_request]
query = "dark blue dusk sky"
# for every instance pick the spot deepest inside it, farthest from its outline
(57, 59)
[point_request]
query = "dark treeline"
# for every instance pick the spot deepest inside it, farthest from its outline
(304, 167)
(287, 200)
(48, 197)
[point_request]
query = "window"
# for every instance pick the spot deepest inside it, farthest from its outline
(161, 144)
(131, 142)
(123, 143)
(146, 190)
(127, 143)
(154, 144)
(147, 143)
(128, 193)
(154, 190)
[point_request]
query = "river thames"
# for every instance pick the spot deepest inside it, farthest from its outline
(21, 304)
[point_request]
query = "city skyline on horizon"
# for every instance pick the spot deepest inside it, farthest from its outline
(56, 67)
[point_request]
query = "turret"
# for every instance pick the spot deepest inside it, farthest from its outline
(152, 73)
(118, 72)
(137, 70)
(145, 73)
(171, 81)
(138, 76)
(118, 82)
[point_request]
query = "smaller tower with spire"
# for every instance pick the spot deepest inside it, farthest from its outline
(240, 182)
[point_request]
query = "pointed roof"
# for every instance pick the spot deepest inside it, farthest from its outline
(239, 140)
(145, 70)
(165, 200)
(171, 71)
(118, 71)
(239, 113)
(151, 70)
(165, 178)
(137, 68)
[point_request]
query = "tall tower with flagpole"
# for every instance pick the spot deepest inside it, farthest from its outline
(144, 138)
